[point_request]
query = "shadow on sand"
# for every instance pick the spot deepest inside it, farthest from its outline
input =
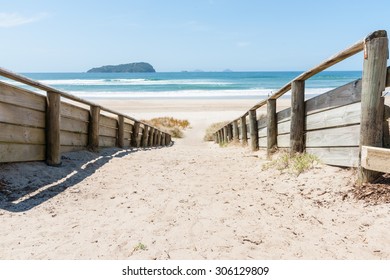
(24, 186)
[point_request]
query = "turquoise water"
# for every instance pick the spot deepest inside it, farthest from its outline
(187, 84)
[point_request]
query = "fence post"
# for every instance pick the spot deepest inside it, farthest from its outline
(244, 132)
(151, 134)
(93, 128)
(121, 132)
(134, 136)
(145, 136)
(225, 134)
(236, 132)
(271, 126)
(53, 145)
(373, 84)
(253, 130)
(230, 132)
(297, 128)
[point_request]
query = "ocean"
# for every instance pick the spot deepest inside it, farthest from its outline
(188, 85)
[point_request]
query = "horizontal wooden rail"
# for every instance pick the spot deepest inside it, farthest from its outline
(22, 79)
(376, 159)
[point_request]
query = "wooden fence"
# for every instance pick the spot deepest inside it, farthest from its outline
(335, 125)
(35, 127)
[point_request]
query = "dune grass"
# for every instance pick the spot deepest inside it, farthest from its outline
(295, 164)
(174, 127)
(209, 135)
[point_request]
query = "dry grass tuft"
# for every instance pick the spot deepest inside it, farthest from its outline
(296, 164)
(209, 136)
(170, 125)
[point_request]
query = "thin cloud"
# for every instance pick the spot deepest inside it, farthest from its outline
(243, 44)
(8, 20)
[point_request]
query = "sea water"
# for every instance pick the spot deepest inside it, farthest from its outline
(188, 85)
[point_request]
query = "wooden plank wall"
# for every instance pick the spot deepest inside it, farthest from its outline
(22, 124)
(74, 127)
(23, 127)
(332, 126)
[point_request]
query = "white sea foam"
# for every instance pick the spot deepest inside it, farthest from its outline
(134, 82)
(252, 93)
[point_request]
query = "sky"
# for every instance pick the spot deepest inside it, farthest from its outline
(178, 35)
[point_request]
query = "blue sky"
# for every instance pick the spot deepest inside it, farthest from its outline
(173, 35)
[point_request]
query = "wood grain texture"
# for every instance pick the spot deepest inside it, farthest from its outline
(284, 127)
(340, 116)
(334, 137)
(21, 134)
(108, 121)
(121, 132)
(93, 129)
(73, 112)
(74, 139)
(254, 132)
(271, 125)
(297, 144)
(53, 131)
(21, 152)
(73, 125)
(338, 156)
(21, 97)
(283, 141)
(373, 84)
(244, 131)
(376, 159)
(21, 116)
(108, 131)
(341, 96)
(105, 141)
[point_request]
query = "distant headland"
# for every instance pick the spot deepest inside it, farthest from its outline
(136, 67)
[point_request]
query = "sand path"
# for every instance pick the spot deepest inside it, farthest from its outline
(193, 200)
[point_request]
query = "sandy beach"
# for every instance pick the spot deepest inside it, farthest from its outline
(193, 200)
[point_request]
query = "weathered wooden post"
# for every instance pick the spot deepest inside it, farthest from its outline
(145, 136)
(135, 134)
(236, 132)
(163, 139)
(156, 132)
(271, 126)
(373, 84)
(53, 140)
(244, 132)
(225, 134)
(297, 128)
(159, 138)
(121, 132)
(93, 128)
(230, 132)
(151, 135)
(253, 130)
(167, 139)
(221, 136)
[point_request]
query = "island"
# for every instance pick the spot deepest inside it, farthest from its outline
(136, 67)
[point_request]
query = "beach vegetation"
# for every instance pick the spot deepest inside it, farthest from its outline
(174, 127)
(209, 135)
(140, 247)
(295, 164)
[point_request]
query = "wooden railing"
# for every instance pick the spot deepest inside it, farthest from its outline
(38, 127)
(370, 132)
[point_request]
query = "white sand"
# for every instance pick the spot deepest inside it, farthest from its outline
(193, 200)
